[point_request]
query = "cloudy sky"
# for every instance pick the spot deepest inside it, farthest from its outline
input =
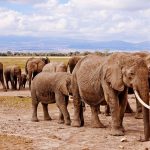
(98, 20)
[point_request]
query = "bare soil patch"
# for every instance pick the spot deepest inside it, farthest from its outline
(18, 132)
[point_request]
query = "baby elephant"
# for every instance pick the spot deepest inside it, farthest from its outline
(49, 88)
(23, 80)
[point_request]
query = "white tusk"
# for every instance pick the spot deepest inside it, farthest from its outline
(140, 100)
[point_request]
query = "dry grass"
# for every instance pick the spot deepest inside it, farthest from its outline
(22, 60)
(15, 102)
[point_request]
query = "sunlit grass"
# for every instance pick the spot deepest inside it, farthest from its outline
(14, 101)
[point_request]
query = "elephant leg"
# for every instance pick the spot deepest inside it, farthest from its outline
(115, 113)
(7, 85)
(107, 110)
(128, 108)
(45, 111)
(61, 118)
(12, 82)
(96, 123)
(34, 115)
(98, 109)
(123, 105)
(78, 112)
(139, 114)
(61, 103)
(2, 81)
(15, 83)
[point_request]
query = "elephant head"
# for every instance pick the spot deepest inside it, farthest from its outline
(46, 60)
(123, 70)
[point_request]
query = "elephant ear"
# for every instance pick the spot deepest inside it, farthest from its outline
(63, 87)
(113, 75)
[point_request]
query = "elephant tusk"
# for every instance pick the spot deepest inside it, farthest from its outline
(140, 100)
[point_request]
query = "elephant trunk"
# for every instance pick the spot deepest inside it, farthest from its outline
(142, 94)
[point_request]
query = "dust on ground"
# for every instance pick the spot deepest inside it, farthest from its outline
(18, 132)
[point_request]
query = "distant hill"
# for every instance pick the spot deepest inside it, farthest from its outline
(16, 43)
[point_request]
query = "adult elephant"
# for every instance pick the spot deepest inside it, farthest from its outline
(2, 77)
(146, 57)
(72, 62)
(13, 74)
(96, 79)
(34, 66)
(55, 67)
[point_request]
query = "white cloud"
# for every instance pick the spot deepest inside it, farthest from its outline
(127, 20)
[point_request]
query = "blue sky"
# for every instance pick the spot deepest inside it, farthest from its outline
(97, 20)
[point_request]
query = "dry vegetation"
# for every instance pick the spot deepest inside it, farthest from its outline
(22, 60)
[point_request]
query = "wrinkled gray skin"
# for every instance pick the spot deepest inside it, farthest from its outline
(49, 88)
(146, 57)
(96, 79)
(23, 80)
(2, 77)
(13, 74)
(55, 67)
(34, 66)
(72, 62)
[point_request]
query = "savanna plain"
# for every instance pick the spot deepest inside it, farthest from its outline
(18, 132)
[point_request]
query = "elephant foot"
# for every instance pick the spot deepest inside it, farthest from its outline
(5, 90)
(60, 121)
(143, 139)
(34, 120)
(98, 125)
(107, 114)
(47, 118)
(138, 116)
(76, 123)
(117, 132)
(67, 122)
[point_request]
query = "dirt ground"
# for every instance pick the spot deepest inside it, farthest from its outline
(17, 132)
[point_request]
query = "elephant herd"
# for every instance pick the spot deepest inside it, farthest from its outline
(95, 80)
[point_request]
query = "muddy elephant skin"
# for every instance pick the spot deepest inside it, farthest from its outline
(96, 79)
(55, 67)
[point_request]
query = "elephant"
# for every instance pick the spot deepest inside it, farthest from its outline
(49, 88)
(2, 77)
(55, 67)
(12, 74)
(23, 80)
(34, 66)
(97, 78)
(146, 57)
(72, 62)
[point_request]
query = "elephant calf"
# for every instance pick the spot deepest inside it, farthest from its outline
(23, 80)
(50, 88)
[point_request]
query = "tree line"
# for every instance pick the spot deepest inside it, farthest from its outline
(76, 53)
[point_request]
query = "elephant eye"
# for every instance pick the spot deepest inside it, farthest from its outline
(131, 75)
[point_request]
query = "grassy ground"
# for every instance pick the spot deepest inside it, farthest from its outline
(13, 101)
(22, 60)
